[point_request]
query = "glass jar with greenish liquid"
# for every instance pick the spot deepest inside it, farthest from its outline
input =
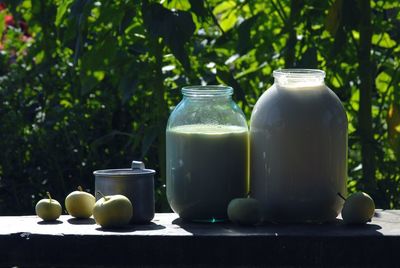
(207, 153)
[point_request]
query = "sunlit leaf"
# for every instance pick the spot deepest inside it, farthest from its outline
(62, 9)
(66, 103)
(177, 4)
(2, 21)
(228, 20)
(388, 4)
(382, 81)
(39, 57)
(383, 40)
(355, 99)
(224, 6)
(226, 14)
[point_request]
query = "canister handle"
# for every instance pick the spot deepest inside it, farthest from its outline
(138, 165)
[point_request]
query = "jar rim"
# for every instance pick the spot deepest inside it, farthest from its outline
(207, 90)
(299, 73)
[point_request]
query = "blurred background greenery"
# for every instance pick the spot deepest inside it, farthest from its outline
(88, 85)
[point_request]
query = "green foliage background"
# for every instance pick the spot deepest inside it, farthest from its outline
(93, 86)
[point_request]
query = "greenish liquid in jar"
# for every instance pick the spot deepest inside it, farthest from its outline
(207, 166)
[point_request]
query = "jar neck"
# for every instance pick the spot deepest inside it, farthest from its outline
(207, 92)
(299, 77)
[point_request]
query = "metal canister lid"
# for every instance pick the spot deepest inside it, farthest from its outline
(138, 168)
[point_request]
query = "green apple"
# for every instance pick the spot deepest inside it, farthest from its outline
(48, 209)
(113, 211)
(79, 204)
(245, 211)
(358, 208)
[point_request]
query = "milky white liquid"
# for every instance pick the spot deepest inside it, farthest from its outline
(298, 144)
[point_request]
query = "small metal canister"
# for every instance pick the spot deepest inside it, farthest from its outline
(136, 183)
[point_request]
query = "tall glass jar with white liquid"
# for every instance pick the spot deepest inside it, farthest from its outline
(207, 153)
(298, 144)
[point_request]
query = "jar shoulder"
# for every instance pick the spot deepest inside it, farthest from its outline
(207, 112)
(280, 105)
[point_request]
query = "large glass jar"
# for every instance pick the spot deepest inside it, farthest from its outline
(207, 153)
(298, 137)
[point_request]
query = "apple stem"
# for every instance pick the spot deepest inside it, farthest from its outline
(48, 194)
(102, 195)
(80, 188)
(341, 196)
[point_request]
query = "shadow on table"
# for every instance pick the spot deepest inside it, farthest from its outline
(133, 228)
(182, 222)
(336, 227)
(77, 221)
(49, 222)
(364, 229)
(203, 228)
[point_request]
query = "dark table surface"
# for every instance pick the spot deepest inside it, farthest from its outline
(167, 241)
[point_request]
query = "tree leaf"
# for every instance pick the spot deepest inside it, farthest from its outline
(383, 40)
(61, 10)
(334, 17)
(308, 59)
(95, 60)
(130, 13)
(2, 21)
(150, 136)
(128, 84)
(229, 20)
(244, 40)
(175, 27)
(227, 77)
(197, 6)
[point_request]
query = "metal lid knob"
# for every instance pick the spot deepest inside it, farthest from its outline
(138, 165)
